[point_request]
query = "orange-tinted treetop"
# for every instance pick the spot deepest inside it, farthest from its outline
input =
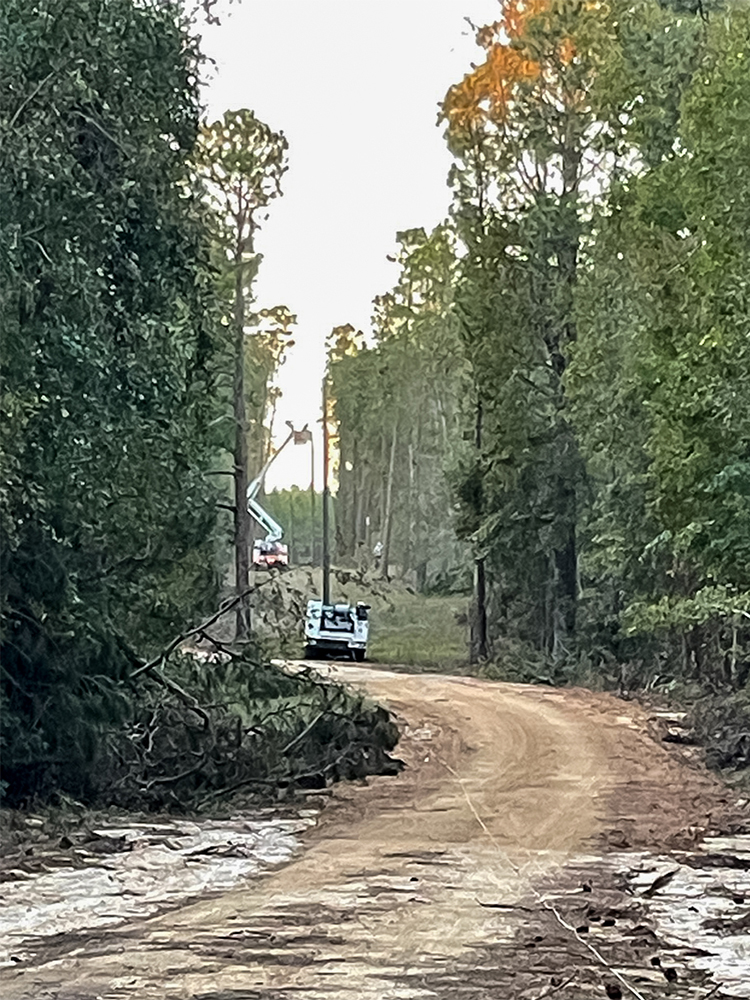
(512, 59)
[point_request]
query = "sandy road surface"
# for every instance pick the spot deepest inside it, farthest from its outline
(506, 786)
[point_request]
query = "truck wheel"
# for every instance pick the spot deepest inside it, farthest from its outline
(311, 653)
(358, 654)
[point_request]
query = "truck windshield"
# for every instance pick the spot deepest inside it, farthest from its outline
(338, 620)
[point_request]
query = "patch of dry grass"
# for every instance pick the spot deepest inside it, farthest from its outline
(424, 633)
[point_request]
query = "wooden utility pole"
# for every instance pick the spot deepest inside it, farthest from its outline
(326, 500)
(312, 501)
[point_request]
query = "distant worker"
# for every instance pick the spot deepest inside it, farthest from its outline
(377, 552)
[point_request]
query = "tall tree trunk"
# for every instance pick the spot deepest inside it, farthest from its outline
(382, 493)
(565, 587)
(566, 555)
(408, 559)
(368, 509)
(478, 646)
(351, 502)
(359, 509)
(241, 514)
(312, 503)
(388, 518)
(422, 531)
(326, 560)
(293, 553)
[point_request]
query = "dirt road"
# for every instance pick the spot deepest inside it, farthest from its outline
(481, 871)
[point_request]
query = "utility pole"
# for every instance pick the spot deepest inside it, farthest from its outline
(312, 502)
(292, 529)
(326, 498)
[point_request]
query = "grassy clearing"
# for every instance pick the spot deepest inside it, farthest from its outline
(422, 633)
(406, 629)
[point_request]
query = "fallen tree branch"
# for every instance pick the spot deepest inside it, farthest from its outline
(555, 989)
(164, 655)
(172, 778)
(185, 697)
(257, 728)
(219, 646)
(153, 667)
(283, 780)
(297, 739)
(505, 906)
(218, 792)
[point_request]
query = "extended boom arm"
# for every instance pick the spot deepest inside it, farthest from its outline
(274, 531)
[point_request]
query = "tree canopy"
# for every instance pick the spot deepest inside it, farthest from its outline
(595, 315)
(108, 351)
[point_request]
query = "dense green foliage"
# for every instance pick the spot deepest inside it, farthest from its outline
(663, 360)
(107, 348)
(129, 365)
(603, 310)
(597, 299)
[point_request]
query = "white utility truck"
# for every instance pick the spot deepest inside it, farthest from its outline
(336, 629)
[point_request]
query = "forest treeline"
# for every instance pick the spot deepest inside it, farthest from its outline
(137, 393)
(559, 379)
(398, 412)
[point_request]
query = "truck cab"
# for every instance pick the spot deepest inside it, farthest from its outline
(270, 555)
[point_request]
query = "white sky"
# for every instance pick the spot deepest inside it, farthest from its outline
(354, 85)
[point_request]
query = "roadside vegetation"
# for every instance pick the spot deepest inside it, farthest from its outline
(552, 412)
(421, 633)
(137, 388)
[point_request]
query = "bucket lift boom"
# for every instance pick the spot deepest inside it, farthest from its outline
(269, 551)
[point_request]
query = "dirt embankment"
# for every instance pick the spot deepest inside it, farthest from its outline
(518, 855)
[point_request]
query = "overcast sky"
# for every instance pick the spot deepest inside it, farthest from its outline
(354, 85)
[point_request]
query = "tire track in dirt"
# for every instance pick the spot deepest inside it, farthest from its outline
(386, 901)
